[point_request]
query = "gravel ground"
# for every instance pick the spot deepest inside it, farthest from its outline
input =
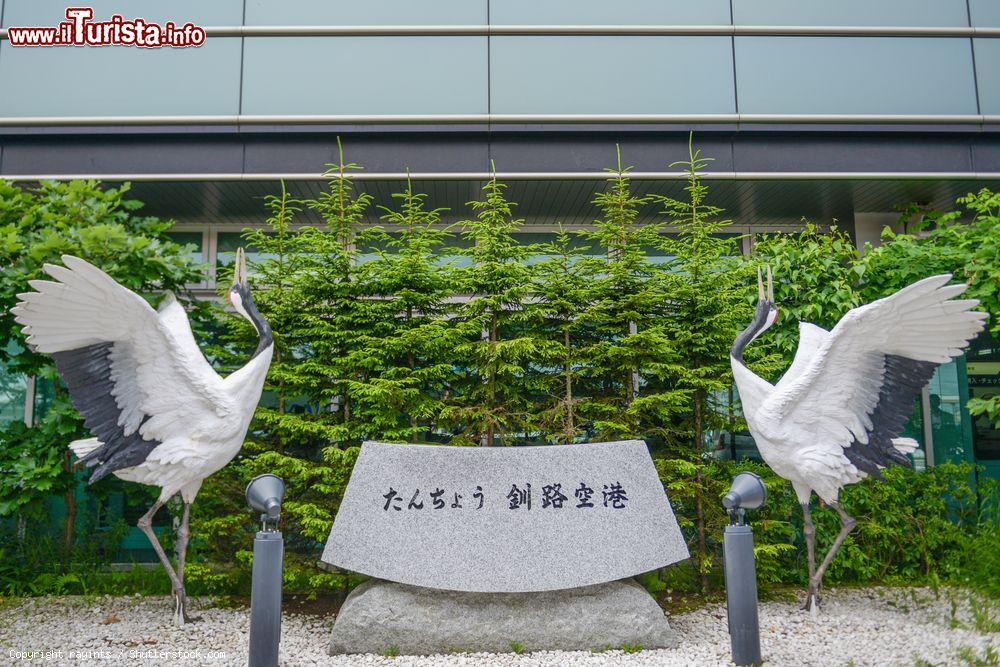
(856, 627)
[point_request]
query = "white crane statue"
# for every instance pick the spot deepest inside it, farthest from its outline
(159, 413)
(836, 415)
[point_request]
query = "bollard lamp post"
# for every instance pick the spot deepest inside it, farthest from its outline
(264, 494)
(746, 492)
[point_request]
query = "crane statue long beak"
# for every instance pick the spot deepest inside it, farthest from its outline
(240, 269)
(760, 286)
(770, 285)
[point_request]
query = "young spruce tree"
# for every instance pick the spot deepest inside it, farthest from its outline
(563, 286)
(493, 398)
(408, 354)
(710, 289)
(627, 308)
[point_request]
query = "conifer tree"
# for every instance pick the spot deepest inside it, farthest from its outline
(342, 308)
(492, 399)
(307, 283)
(408, 354)
(710, 288)
(627, 308)
(563, 286)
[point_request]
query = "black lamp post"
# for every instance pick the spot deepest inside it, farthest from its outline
(746, 492)
(264, 494)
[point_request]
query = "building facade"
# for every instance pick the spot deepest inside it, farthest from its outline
(827, 111)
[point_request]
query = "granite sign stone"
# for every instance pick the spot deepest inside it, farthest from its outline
(504, 520)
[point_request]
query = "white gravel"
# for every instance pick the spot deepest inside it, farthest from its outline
(871, 626)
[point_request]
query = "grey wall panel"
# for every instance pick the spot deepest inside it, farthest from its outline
(121, 81)
(988, 74)
(985, 13)
(986, 156)
(852, 153)
(95, 155)
(368, 12)
(855, 75)
(199, 12)
(392, 153)
(934, 13)
(576, 75)
(622, 12)
(594, 152)
(365, 75)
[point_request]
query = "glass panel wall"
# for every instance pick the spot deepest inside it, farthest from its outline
(984, 382)
(192, 239)
(132, 81)
(369, 12)
(576, 75)
(13, 390)
(855, 75)
(946, 414)
(199, 12)
(600, 12)
(931, 13)
(988, 73)
(365, 75)
(985, 13)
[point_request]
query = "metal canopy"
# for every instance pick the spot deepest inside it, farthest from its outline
(550, 202)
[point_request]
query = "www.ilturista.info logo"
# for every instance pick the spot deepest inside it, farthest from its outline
(79, 30)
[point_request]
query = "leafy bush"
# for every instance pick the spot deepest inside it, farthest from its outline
(916, 527)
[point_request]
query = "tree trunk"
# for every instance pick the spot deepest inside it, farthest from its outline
(492, 384)
(570, 427)
(412, 363)
(699, 501)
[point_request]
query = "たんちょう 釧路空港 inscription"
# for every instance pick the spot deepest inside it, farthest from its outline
(514, 519)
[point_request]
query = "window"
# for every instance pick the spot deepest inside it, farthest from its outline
(13, 390)
(376, 75)
(190, 239)
(607, 75)
(226, 246)
(984, 382)
(199, 12)
(988, 73)
(931, 13)
(601, 12)
(149, 82)
(369, 12)
(855, 75)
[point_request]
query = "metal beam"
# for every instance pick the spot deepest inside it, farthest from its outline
(525, 176)
(501, 119)
(613, 30)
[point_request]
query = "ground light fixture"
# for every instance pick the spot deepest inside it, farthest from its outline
(747, 492)
(264, 494)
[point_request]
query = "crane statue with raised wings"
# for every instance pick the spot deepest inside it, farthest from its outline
(836, 415)
(159, 413)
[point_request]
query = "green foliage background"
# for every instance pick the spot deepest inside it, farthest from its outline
(550, 344)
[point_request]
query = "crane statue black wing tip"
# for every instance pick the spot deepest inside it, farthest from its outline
(86, 371)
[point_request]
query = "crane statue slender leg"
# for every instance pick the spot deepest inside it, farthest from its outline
(183, 534)
(847, 524)
(146, 526)
(809, 530)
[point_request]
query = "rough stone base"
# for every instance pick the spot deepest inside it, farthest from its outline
(382, 616)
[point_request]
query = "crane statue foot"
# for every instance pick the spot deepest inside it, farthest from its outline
(181, 615)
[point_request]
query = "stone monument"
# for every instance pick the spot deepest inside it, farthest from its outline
(485, 549)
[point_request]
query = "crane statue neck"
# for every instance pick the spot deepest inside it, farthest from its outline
(248, 309)
(757, 326)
